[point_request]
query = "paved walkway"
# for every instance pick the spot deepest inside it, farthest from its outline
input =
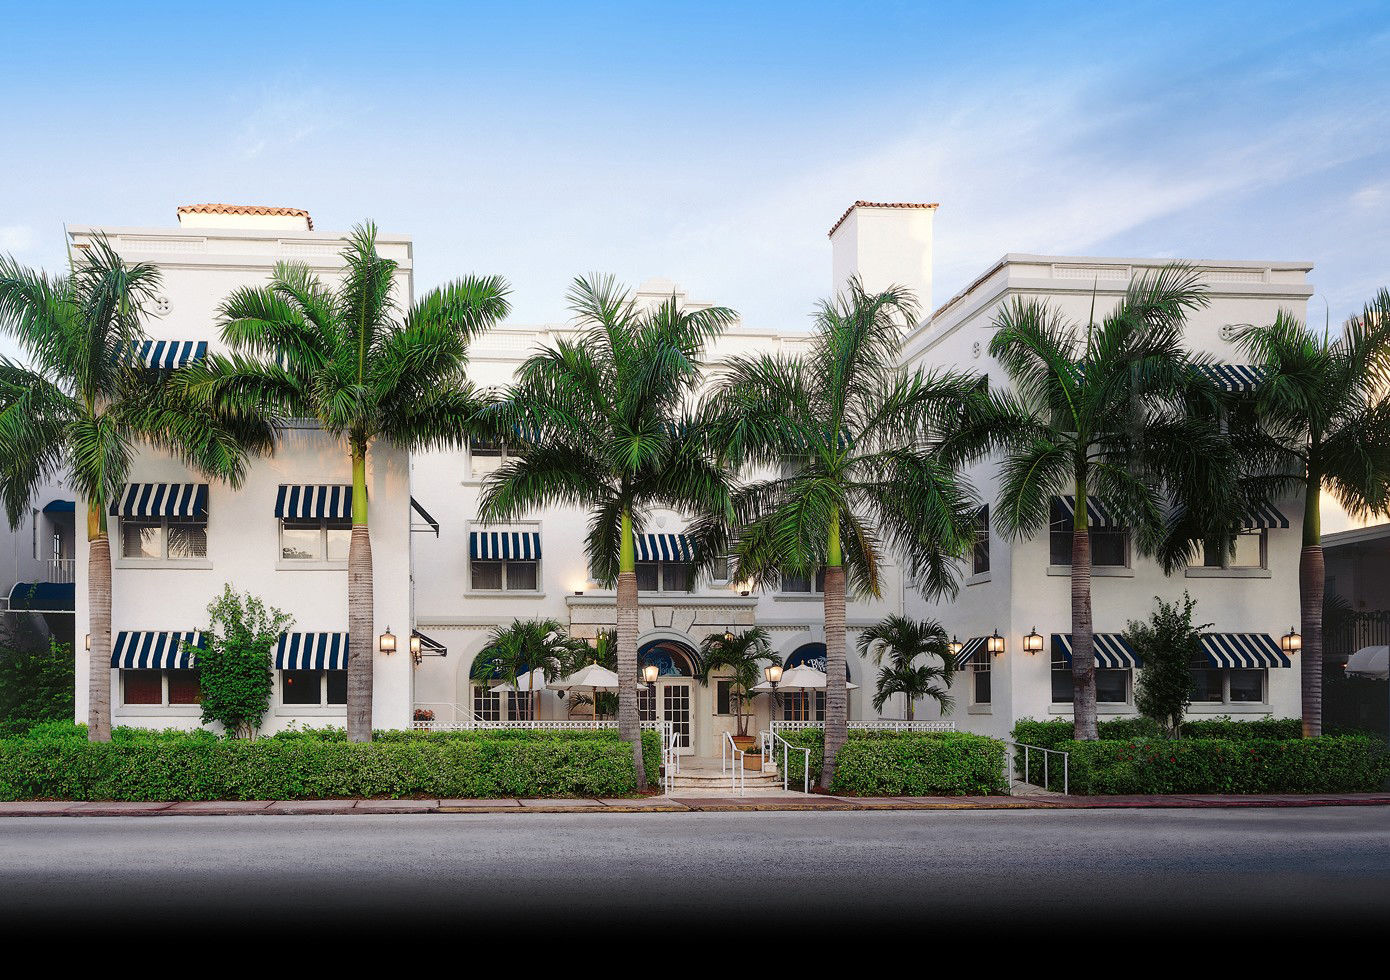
(677, 804)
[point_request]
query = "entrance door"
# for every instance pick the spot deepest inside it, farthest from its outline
(675, 708)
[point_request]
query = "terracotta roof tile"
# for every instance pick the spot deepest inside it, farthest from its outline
(876, 204)
(246, 209)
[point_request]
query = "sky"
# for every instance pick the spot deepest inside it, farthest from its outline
(715, 144)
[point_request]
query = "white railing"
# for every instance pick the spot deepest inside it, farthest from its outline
(883, 725)
(61, 570)
(770, 740)
(731, 753)
(670, 756)
(1011, 762)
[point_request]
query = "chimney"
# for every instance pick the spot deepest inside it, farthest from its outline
(886, 245)
(256, 216)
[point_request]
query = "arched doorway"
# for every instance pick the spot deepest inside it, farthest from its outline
(673, 696)
(807, 705)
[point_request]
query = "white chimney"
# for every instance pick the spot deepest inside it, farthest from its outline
(885, 245)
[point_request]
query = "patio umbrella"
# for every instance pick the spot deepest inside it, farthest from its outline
(800, 679)
(592, 678)
(1373, 662)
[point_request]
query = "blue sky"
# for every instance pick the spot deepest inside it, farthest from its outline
(714, 144)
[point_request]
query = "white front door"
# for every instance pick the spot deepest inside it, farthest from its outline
(672, 702)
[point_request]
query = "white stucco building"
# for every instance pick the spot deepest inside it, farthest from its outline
(442, 573)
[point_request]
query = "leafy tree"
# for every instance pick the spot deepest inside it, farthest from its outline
(83, 407)
(903, 642)
(36, 677)
(234, 667)
(863, 456)
(362, 367)
(525, 645)
(1167, 645)
(743, 655)
(1115, 413)
(1323, 409)
(601, 422)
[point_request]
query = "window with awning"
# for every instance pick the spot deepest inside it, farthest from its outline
(664, 562)
(183, 500)
(504, 545)
(315, 501)
(1243, 650)
(1112, 650)
(156, 650)
(166, 355)
(1238, 378)
(162, 521)
(311, 651)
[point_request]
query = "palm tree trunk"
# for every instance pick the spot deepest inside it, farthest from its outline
(1312, 579)
(361, 608)
(836, 695)
(99, 622)
(1083, 653)
(629, 724)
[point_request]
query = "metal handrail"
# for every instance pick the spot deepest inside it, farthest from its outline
(771, 741)
(731, 752)
(1011, 759)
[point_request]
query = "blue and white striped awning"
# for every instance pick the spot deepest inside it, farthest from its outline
(332, 501)
(1097, 514)
(155, 651)
(168, 354)
(312, 651)
(972, 646)
(1238, 378)
(1112, 650)
(504, 545)
(161, 500)
(1262, 516)
(664, 547)
(1243, 650)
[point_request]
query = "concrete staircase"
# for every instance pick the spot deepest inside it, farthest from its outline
(702, 777)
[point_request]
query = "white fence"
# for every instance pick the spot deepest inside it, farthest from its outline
(61, 570)
(871, 726)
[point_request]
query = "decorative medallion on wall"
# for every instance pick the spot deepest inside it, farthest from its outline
(161, 306)
(975, 349)
(1228, 332)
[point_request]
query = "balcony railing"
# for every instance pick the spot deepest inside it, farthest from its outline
(61, 570)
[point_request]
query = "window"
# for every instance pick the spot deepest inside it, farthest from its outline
(487, 703)
(665, 576)
(723, 567)
(803, 585)
(797, 704)
(1218, 685)
(160, 687)
(723, 697)
(157, 539)
(484, 457)
(1109, 546)
(981, 562)
(1112, 686)
(315, 538)
(313, 687)
(980, 690)
(504, 576)
(519, 705)
(1250, 552)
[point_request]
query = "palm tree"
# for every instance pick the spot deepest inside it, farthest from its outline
(84, 406)
(1323, 406)
(580, 654)
(600, 422)
(742, 655)
(521, 648)
(903, 642)
(1116, 414)
(351, 359)
(863, 454)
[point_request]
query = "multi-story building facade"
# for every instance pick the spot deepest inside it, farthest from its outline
(37, 568)
(441, 572)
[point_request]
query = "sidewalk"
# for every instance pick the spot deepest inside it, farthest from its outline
(675, 804)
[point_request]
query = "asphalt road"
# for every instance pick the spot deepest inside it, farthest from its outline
(964, 872)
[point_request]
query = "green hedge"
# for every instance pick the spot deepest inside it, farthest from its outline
(56, 762)
(1329, 764)
(904, 763)
(1051, 734)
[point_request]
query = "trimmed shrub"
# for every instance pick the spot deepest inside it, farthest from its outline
(58, 763)
(1051, 734)
(1329, 764)
(904, 763)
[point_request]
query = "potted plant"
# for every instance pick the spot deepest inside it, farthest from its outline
(743, 656)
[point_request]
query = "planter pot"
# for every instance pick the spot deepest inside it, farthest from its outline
(744, 742)
(753, 763)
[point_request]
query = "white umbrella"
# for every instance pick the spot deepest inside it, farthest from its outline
(800, 679)
(1373, 662)
(590, 678)
(534, 681)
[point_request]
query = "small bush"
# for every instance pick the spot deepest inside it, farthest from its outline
(56, 762)
(1051, 734)
(904, 763)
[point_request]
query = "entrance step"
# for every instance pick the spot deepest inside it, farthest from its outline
(705, 779)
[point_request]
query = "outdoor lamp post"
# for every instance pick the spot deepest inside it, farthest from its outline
(387, 641)
(773, 673)
(1291, 642)
(1033, 642)
(955, 646)
(649, 675)
(728, 635)
(994, 643)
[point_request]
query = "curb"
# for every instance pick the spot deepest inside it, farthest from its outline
(213, 808)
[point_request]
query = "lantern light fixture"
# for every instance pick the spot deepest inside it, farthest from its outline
(955, 646)
(415, 646)
(387, 641)
(773, 673)
(994, 643)
(88, 641)
(650, 673)
(1033, 642)
(1292, 641)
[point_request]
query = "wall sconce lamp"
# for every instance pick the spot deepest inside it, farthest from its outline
(1033, 642)
(1291, 642)
(994, 643)
(386, 643)
(955, 646)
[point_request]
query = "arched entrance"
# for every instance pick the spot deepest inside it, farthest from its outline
(673, 697)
